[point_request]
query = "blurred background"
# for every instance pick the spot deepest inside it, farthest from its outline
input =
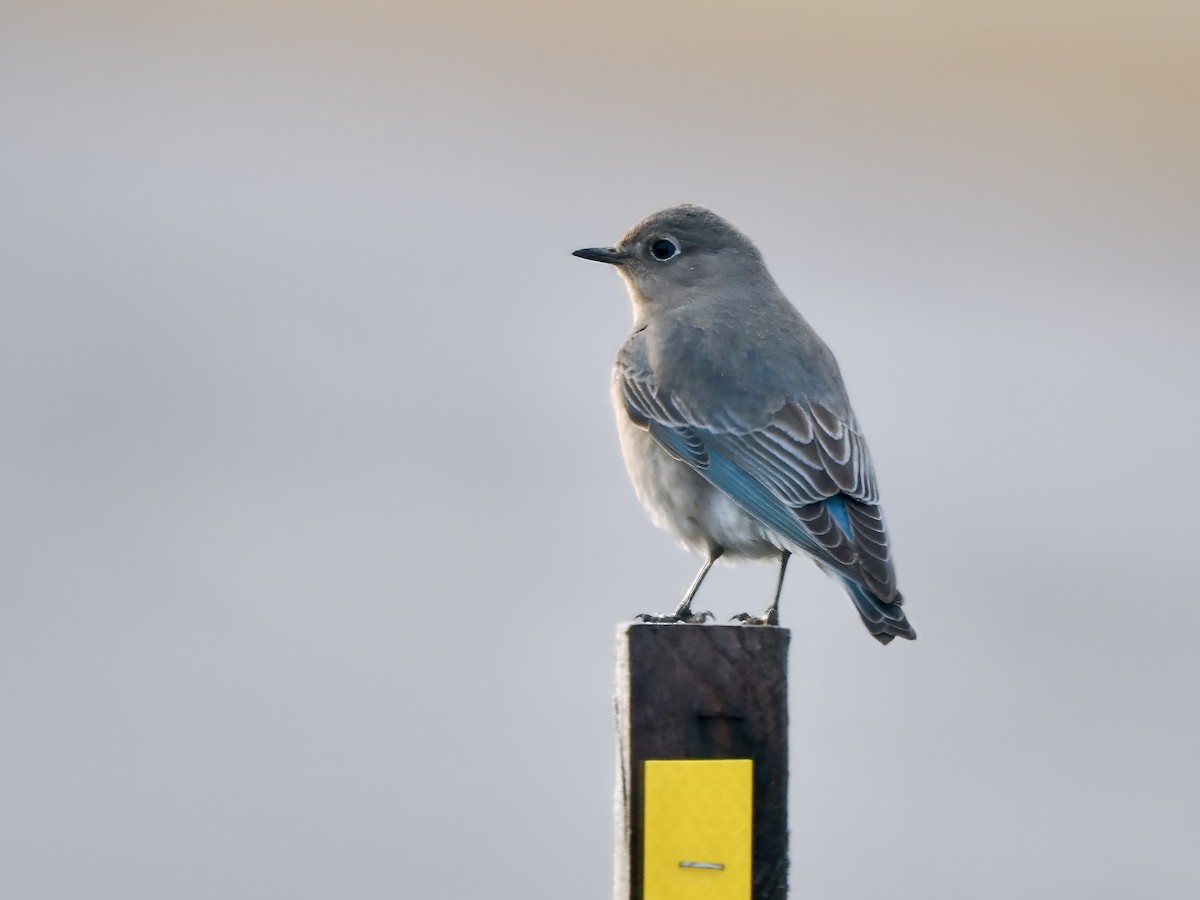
(313, 528)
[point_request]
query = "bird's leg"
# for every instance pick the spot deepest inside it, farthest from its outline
(771, 616)
(683, 612)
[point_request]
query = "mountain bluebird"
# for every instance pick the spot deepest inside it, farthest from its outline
(733, 419)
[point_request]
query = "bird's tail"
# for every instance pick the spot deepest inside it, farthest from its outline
(885, 619)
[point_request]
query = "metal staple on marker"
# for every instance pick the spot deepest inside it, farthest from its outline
(686, 864)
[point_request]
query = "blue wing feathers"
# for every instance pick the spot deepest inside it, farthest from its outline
(837, 508)
(806, 475)
(742, 487)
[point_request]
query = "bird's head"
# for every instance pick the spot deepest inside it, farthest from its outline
(670, 254)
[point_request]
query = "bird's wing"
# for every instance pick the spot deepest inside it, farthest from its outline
(805, 472)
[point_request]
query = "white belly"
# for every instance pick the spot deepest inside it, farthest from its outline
(684, 504)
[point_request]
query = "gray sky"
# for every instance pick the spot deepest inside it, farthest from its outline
(313, 528)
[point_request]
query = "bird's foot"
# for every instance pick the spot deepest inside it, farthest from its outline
(688, 618)
(770, 617)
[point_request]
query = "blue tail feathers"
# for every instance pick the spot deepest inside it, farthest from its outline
(885, 620)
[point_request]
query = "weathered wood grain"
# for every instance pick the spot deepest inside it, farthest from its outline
(703, 692)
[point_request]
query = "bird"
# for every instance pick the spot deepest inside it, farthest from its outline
(734, 422)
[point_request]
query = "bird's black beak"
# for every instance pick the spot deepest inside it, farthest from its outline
(601, 254)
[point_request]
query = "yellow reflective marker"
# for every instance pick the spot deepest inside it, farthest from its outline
(699, 816)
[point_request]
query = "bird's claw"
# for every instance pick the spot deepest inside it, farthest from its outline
(770, 617)
(691, 619)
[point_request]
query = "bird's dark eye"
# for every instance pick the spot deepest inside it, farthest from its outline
(662, 250)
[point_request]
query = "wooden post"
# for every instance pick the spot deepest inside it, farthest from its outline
(703, 692)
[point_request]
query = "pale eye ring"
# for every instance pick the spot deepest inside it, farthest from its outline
(663, 249)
